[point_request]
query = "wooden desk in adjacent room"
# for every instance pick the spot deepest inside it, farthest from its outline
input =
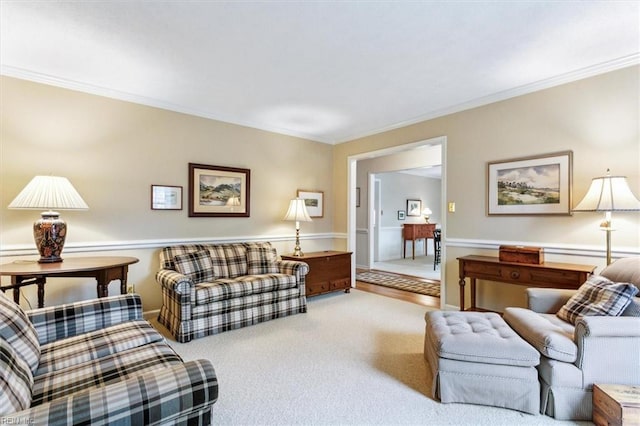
(547, 274)
(413, 232)
(103, 269)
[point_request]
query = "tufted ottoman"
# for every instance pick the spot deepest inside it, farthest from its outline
(476, 358)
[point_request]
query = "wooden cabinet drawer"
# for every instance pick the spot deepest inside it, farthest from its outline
(537, 277)
(557, 279)
(342, 284)
(314, 288)
(514, 274)
(483, 270)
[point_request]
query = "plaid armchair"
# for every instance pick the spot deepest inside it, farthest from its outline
(211, 288)
(96, 362)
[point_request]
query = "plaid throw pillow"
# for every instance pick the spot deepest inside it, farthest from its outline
(262, 260)
(16, 381)
(196, 265)
(597, 296)
(236, 255)
(19, 332)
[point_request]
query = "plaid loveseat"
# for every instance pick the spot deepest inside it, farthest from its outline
(96, 362)
(211, 288)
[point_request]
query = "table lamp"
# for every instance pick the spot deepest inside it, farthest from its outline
(49, 232)
(297, 212)
(608, 194)
(426, 212)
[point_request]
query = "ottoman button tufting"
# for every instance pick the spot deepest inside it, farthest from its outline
(476, 358)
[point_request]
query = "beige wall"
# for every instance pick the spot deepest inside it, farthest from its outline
(112, 151)
(596, 118)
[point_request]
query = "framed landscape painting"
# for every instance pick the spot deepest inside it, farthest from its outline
(530, 186)
(216, 191)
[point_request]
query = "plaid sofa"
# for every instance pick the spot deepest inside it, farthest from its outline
(211, 288)
(96, 362)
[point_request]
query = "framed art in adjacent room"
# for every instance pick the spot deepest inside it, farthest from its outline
(216, 191)
(401, 215)
(414, 207)
(166, 197)
(533, 185)
(313, 201)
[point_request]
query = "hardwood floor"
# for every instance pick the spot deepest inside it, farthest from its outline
(407, 296)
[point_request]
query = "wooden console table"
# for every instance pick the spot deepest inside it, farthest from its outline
(413, 232)
(548, 274)
(103, 269)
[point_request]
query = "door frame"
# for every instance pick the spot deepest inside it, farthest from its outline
(352, 161)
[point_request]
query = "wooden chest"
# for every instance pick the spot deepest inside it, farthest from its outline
(521, 254)
(328, 271)
(616, 405)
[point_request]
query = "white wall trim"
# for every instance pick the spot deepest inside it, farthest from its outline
(549, 248)
(595, 251)
(83, 247)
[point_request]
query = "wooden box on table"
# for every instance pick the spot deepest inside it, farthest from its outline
(521, 254)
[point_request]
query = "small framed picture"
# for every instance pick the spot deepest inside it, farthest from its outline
(166, 197)
(414, 207)
(314, 201)
(401, 214)
(357, 196)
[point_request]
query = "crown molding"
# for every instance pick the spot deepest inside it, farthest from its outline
(106, 92)
(602, 68)
(80, 86)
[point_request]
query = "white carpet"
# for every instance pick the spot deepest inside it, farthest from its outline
(353, 359)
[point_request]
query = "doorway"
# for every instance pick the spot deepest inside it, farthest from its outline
(361, 237)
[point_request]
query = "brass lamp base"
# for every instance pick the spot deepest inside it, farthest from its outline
(297, 251)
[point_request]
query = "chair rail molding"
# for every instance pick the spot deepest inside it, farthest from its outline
(549, 248)
(10, 250)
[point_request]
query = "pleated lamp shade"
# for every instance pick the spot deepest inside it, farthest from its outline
(608, 194)
(50, 232)
(49, 192)
(297, 212)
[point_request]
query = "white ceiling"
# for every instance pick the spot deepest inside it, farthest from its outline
(329, 71)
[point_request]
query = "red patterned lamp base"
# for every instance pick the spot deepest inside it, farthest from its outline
(50, 233)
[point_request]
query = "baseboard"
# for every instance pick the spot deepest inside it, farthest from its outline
(148, 315)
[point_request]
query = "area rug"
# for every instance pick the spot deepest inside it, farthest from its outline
(400, 282)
